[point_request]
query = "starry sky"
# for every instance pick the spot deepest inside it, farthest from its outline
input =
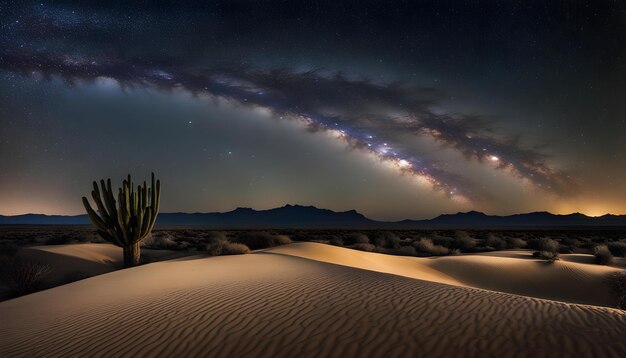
(398, 109)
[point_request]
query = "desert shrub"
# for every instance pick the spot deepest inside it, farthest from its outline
(617, 248)
(442, 241)
(26, 276)
(378, 241)
(214, 248)
(160, 240)
(426, 246)
(356, 238)
(224, 247)
(388, 240)
(602, 255)
(494, 242)
(547, 244)
(617, 282)
(547, 255)
(335, 241)
(407, 251)
(516, 243)
(463, 241)
(233, 248)
(364, 247)
(261, 240)
(548, 249)
(281, 240)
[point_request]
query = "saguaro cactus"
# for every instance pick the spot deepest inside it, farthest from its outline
(129, 222)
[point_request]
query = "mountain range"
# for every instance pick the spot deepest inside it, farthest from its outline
(298, 216)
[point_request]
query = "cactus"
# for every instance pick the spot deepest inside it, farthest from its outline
(127, 222)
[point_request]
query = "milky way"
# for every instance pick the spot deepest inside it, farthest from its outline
(368, 116)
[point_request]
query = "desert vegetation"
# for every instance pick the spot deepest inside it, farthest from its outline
(547, 249)
(602, 255)
(128, 221)
(23, 276)
(395, 242)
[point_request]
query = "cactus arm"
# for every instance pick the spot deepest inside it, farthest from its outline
(93, 216)
(95, 194)
(140, 212)
(121, 218)
(147, 223)
(157, 203)
(110, 206)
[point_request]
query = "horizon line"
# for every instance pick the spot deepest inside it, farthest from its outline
(336, 211)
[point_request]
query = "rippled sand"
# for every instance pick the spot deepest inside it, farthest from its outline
(275, 303)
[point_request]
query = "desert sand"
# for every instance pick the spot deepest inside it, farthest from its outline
(85, 259)
(310, 299)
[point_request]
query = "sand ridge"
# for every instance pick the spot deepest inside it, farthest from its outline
(515, 272)
(274, 305)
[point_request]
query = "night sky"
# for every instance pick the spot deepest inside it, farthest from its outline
(398, 109)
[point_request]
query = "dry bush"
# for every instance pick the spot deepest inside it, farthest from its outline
(547, 255)
(388, 240)
(495, 243)
(224, 247)
(233, 248)
(26, 276)
(426, 246)
(336, 241)
(547, 244)
(463, 241)
(602, 255)
(516, 243)
(407, 251)
(160, 240)
(215, 248)
(444, 241)
(261, 240)
(364, 247)
(617, 248)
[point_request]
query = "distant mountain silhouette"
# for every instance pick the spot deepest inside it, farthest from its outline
(297, 216)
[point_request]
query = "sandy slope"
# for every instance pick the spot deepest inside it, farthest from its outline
(397, 265)
(84, 260)
(563, 280)
(273, 304)
(574, 279)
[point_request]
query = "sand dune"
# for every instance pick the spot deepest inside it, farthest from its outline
(273, 304)
(516, 272)
(85, 260)
(397, 265)
(562, 280)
